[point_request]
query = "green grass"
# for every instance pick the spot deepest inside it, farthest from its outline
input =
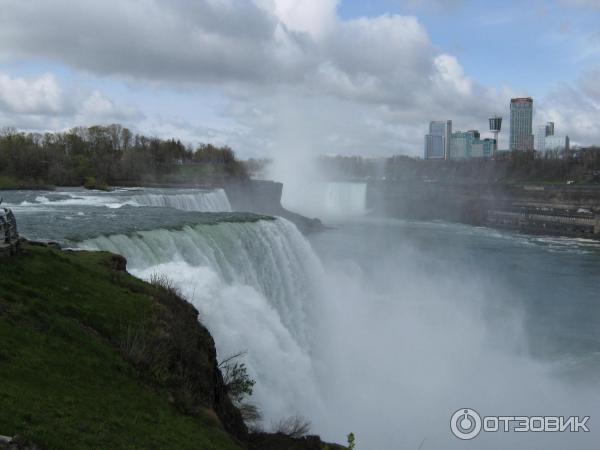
(63, 381)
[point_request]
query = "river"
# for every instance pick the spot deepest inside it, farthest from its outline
(379, 327)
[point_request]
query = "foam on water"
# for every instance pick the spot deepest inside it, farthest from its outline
(188, 200)
(214, 201)
(254, 285)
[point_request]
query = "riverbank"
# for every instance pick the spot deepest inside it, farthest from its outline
(534, 208)
(92, 357)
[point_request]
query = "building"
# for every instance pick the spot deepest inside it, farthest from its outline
(542, 132)
(482, 149)
(434, 147)
(557, 144)
(467, 145)
(495, 127)
(540, 138)
(547, 141)
(437, 142)
(521, 123)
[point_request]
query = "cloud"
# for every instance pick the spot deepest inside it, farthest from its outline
(41, 103)
(41, 95)
(286, 69)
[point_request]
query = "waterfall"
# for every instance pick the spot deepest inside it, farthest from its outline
(254, 285)
(205, 201)
(337, 199)
(347, 199)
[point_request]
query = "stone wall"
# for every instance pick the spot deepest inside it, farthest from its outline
(538, 209)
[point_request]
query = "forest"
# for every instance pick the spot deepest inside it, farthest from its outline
(100, 156)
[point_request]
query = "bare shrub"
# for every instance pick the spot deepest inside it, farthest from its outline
(294, 427)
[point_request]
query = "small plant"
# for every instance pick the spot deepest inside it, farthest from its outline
(237, 381)
(239, 385)
(164, 283)
(351, 442)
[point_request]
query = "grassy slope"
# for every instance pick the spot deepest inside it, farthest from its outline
(63, 382)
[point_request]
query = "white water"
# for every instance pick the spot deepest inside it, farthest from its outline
(254, 285)
(346, 198)
(331, 199)
(189, 200)
(387, 346)
(213, 201)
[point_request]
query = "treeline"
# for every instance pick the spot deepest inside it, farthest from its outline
(106, 155)
(581, 165)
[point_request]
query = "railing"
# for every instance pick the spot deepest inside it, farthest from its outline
(552, 220)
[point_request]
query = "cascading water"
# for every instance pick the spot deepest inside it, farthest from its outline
(390, 330)
(254, 285)
(185, 200)
(337, 199)
(213, 201)
(349, 199)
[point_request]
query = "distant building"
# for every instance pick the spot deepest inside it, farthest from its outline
(547, 141)
(521, 124)
(557, 144)
(482, 149)
(467, 144)
(437, 142)
(540, 138)
(495, 127)
(434, 146)
(460, 145)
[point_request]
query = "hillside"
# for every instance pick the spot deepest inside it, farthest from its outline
(91, 358)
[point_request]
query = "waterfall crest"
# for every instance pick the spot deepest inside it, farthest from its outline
(254, 284)
(271, 256)
(205, 201)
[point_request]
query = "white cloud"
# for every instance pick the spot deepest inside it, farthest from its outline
(315, 17)
(38, 95)
(287, 68)
(41, 103)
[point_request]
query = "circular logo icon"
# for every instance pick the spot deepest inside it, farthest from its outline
(465, 423)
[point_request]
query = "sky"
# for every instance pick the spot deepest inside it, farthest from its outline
(273, 77)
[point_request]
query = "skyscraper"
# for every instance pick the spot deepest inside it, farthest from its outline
(521, 123)
(543, 132)
(437, 142)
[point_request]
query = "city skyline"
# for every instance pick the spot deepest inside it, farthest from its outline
(272, 76)
(442, 143)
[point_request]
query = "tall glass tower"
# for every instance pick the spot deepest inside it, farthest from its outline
(437, 142)
(521, 123)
